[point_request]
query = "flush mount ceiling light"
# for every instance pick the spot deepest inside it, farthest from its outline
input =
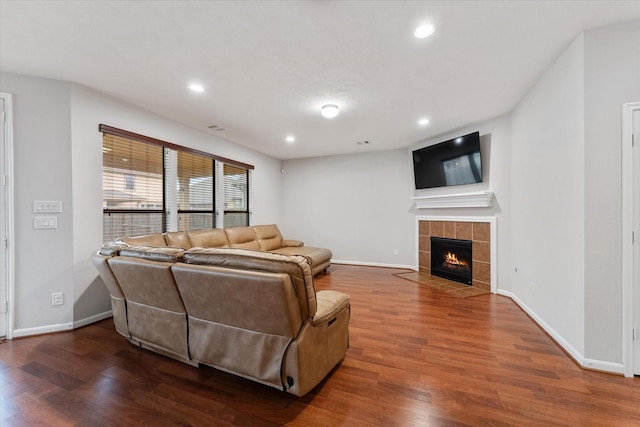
(290, 139)
(423, 122)
(424, 31)
(196, 87)
(330, 111)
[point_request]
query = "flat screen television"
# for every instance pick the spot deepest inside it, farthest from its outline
(454, 162)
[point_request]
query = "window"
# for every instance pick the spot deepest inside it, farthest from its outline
(196, 198)
(131, 210)
(152, 186)
(236, 196)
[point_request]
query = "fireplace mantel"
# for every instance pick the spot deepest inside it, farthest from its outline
(481, 199)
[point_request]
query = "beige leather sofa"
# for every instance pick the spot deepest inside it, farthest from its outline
(258, 238)
(252, 313)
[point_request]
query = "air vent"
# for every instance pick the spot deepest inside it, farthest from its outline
(216, 128)
(362, 142)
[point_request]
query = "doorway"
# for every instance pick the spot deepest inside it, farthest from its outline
(631, 239)
(6, 215)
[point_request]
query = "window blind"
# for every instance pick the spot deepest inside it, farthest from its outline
(236, 196)
(195, 188)
(132, 182)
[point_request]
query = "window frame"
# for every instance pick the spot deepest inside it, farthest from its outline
(217, 161)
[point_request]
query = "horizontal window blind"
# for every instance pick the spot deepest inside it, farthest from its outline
(236, 196)
(195, 187)
(132, 183)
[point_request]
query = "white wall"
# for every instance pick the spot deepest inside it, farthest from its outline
(612, 77)
(547, 181)
(495, 141)
(58, 156)
(358, 205)
(42, 171)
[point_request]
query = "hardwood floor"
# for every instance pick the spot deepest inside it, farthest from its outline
(417, 357)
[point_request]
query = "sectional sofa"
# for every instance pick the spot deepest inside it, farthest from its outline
(218, 298)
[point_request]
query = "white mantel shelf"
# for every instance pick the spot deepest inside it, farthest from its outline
(482, 199)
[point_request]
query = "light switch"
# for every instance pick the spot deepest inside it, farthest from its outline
(47, 206)
(45, 222)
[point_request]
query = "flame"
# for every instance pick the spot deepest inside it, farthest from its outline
(451, 258)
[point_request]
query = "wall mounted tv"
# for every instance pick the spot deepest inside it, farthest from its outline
(453, 162)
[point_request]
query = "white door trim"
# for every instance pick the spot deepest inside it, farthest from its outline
(628, 300)
(8, 171)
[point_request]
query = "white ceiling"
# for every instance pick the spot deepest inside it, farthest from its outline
(268, 66)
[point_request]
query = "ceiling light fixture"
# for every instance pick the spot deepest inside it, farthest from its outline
(423, 122)
(195, 87)
(330, 111)
(290, 138)
(424, 31)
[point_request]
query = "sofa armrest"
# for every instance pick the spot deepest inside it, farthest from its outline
(330, 304)
(291, 243)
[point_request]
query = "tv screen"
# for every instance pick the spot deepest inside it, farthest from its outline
(453, 162)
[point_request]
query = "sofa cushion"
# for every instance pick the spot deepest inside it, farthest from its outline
(210, 238)
(165, 254)
(155, 239)
(317, 256)
(177, 239)
(112, 248)
(296, 267)
(243, 238)
(269, 237)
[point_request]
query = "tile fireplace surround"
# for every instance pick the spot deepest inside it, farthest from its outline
(478, 232)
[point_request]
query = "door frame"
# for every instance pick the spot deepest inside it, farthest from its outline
(630, 291)
(9, 254)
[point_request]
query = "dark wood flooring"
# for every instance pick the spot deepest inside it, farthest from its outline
(417, 358)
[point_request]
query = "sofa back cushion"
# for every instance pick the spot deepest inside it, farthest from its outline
(155, 239)
(209, 238)
(252, 300)
(243, 238)
(147, 282)
(163, 254)
(177, 239)
(269, 237)
(296, 267)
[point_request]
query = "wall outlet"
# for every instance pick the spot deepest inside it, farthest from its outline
(395, 252)
(532, 288)
(57, 298)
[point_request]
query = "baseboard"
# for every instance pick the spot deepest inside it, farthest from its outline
(373, 264)
(92, 319)
(26, 332)
(597, 365)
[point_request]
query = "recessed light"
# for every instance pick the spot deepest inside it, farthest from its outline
(424, 31)
(458, 140)
(423, 121)
(196, 87)
(290, 138)
(330, 111)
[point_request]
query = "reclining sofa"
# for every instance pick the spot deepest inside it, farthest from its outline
(251, 312)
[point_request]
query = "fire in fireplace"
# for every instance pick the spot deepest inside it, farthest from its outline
(451, 259)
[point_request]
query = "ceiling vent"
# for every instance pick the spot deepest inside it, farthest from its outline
(216, 128)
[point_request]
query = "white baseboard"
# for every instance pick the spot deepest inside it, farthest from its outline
(373, 264)
(26, 332)
(92, 319)
(599, 365)
(17, 333)
(616, 368)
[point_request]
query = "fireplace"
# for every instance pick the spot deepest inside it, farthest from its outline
(452, 259)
